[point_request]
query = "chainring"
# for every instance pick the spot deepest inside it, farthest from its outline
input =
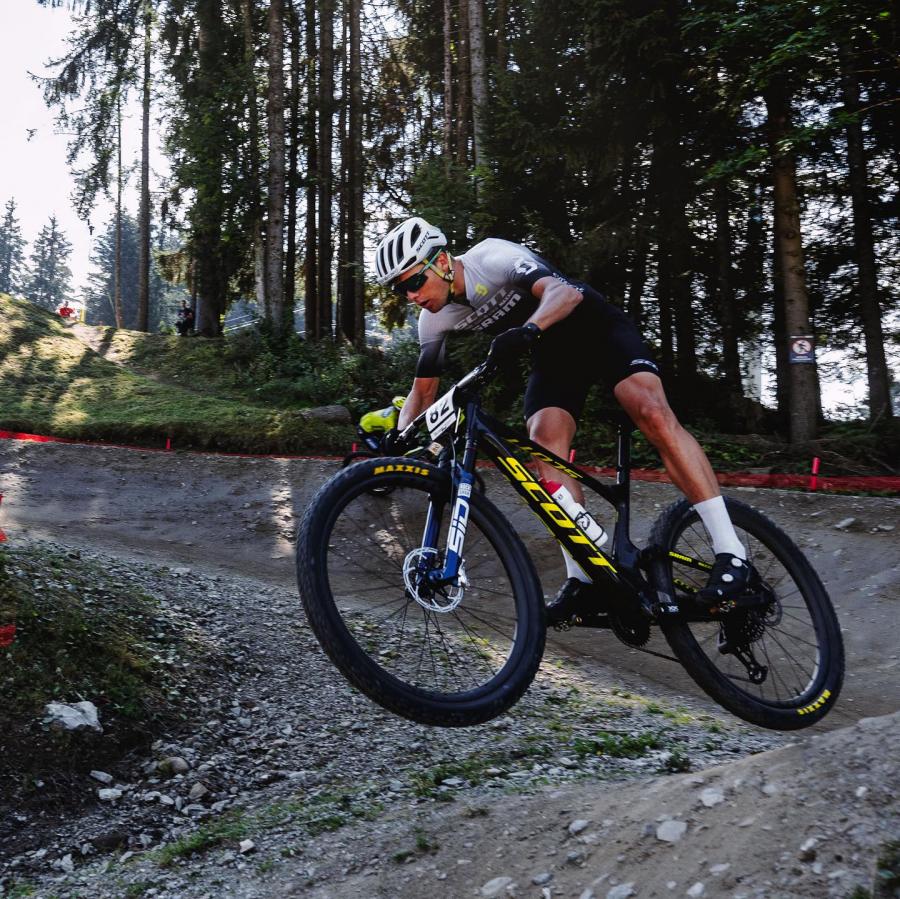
(630, 629)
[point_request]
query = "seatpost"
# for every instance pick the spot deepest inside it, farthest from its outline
(623, 483)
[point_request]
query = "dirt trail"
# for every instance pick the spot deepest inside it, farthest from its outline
(239, 514)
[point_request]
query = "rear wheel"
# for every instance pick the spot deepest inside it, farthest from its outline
(780, 664)
(453, 655)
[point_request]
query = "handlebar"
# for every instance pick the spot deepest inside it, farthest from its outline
(477, 377)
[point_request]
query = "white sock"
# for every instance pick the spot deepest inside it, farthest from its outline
(573, 569)
(718, 523)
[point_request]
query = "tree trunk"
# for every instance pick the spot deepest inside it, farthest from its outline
(290, 259)
(501, 35)
(248, 8)
(802, 398)
(275, 209)
(479, 75)
(464, 82)
(664, 274)
(326, 134)
(731, 366)
(310, 262)
(685, 335)
(143, 311)
(343, 292)
(209, 206)
(447, 131)
(864, 245)
(117, 290)
(357, 177)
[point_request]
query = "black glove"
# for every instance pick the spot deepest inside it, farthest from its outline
(508, 346)
(392, 444)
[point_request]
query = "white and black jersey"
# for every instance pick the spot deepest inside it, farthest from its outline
(597, 341)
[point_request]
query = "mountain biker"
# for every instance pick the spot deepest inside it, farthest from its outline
(576, 338)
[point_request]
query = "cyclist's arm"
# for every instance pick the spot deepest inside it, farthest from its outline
(557, 300)
(423, 394)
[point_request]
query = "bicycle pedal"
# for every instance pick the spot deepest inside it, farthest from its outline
(598, 621)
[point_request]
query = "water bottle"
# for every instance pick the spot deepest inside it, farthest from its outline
(576, 512)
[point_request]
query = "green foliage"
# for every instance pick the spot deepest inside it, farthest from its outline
(82, 633)
(51, 383)
(12, 251)
(49, 274)
(231, 827)
(444, 194)
(621, 746)
(99, 293)
(887, 871)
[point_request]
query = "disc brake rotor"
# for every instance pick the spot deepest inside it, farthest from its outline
(434, 597)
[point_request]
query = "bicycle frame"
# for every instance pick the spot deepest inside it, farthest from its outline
(618, 573)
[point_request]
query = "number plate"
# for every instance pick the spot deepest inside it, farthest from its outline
(441, 415)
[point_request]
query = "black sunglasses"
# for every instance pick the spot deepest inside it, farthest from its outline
(414, 282)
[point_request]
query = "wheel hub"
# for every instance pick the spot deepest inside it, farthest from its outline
(435, 597)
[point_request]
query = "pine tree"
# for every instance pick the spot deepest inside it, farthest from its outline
(12, 251)
(50, 276)
(100, 293)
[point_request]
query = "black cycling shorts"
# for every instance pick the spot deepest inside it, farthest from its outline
(597, 343)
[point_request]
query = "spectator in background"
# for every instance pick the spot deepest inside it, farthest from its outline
(185, 323)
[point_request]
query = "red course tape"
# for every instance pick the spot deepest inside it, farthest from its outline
(881, 483)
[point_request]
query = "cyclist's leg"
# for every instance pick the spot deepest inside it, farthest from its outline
(554, 399)
(643, 398)
(629, 368)
(554, 429)
(557, 388)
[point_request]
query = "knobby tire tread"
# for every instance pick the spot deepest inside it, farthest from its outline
(830, 677)
(365, 674)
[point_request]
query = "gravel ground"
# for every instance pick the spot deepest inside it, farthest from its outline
(278, 748)
(282, 781)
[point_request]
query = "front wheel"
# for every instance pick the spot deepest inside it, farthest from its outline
(452, 655)
(779, 664)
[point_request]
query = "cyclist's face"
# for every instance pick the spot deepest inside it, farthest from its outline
(432, 295)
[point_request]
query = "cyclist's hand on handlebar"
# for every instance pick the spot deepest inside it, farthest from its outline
(393, 444)
(508, 346)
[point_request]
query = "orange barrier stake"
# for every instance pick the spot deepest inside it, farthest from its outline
(814, 476)
(2, 535)
(168, 443)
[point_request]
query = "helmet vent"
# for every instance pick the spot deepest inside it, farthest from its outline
(414, 235)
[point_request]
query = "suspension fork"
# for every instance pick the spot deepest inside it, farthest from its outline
(463, 483)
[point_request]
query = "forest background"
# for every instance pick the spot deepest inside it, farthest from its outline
(727, 172)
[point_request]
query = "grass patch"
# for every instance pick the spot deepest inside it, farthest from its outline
(247, 393)
(887, 871)
(51, 383)
(82, 634)
(323, 813)
(230, 828)
(20, 889)
(137, 889)
(619, 746)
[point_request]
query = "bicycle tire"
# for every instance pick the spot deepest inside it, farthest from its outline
(351, 545)
(799, 641)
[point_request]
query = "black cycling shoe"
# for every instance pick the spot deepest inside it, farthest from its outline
(731, 583)
(577, 603)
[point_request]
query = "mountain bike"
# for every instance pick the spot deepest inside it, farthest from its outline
(426, 599)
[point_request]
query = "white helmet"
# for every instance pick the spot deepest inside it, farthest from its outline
(402, 247)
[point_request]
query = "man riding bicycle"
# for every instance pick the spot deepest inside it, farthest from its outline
(576, 339)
